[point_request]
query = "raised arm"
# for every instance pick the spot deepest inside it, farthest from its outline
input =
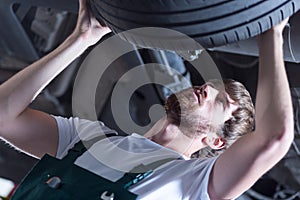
(30, 130)
(254, 154)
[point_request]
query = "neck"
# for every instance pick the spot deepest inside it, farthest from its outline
(170, 136)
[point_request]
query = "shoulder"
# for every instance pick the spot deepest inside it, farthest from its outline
(84, 128)
(73, 129)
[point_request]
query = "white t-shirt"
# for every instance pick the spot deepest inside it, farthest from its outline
(112, 157)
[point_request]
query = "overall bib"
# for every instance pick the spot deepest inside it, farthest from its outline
(60, 179)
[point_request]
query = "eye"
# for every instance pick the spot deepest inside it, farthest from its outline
(223, 103)
(222, 98)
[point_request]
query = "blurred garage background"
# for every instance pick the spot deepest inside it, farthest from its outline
(31, 29)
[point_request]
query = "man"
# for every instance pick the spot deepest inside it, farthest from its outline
(206, 116)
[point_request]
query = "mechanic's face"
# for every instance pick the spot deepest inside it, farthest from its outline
(215, 104)
(207, 102)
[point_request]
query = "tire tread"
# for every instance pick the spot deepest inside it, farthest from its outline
(135, 14)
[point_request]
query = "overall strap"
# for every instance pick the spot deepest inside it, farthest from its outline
(140, 172)
(82, 146)
(135, 175)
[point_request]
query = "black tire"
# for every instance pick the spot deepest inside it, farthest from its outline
(210, 22)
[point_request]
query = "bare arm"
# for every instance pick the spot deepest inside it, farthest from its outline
(33, 131)
(254, 154)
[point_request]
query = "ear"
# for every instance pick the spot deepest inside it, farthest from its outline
(214, 142)
(219, 143)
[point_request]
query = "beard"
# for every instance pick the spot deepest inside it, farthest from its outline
(181, 111)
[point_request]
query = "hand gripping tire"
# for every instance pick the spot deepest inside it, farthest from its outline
(210, 22)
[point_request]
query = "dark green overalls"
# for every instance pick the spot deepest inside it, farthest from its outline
(57, 179)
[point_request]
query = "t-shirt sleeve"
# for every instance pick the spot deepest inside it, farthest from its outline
(179, 179)
(198, 189)
(71, 130)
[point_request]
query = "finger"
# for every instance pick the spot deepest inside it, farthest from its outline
(282, 24)
(89, 9)
(82, 5)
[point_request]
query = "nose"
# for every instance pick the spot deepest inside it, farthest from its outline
(208, 92)
(203, 90)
